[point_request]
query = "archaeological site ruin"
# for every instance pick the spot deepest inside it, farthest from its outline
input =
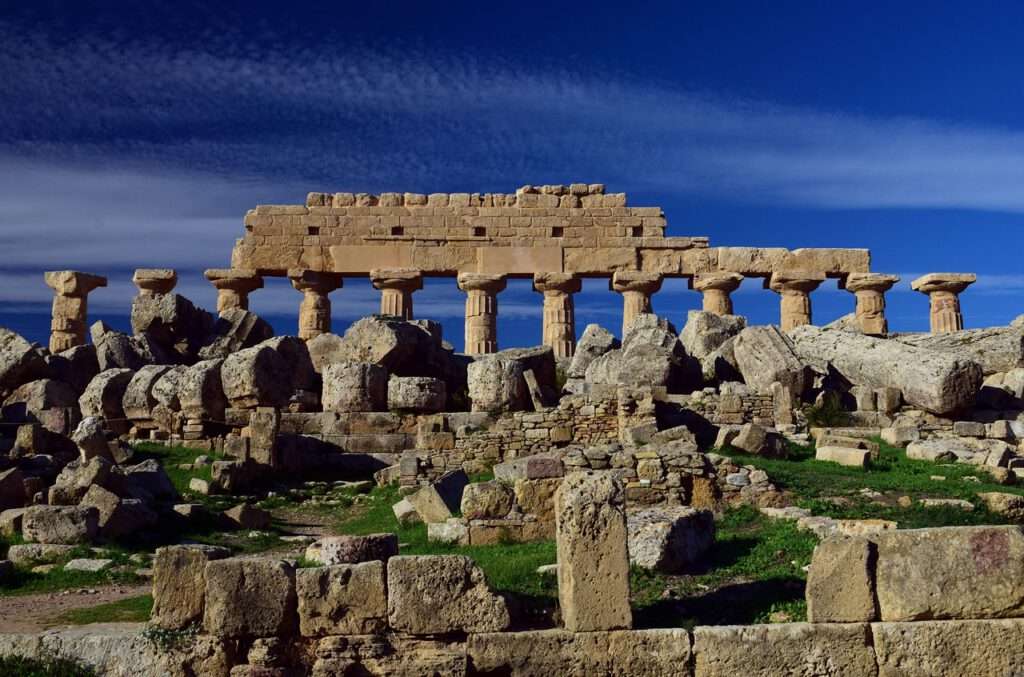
(681, 495)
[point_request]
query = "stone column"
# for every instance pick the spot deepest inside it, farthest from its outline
(233, 287)
(943, 290)
(795, 288)
(481, 311)
(870, 290)
(69, 317)
(153, 281)
(559, 311)
(315, 311)
(396, 286)
(716, 288)
(636, 289)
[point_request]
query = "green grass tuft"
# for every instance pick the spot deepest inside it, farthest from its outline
(50, 666)
(129, 610)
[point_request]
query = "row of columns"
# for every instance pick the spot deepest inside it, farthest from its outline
(71, 289)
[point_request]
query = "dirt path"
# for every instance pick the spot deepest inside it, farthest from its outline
(303, 523)
(35, 613)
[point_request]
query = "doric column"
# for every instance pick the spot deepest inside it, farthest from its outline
(233, 287)
(636, 289)
(794, 287)
(716, 288)
(481, 311)
(870, 290)
(396, 286)
(68, 320)
(559, 311)
(153, 281)
(943, 290)
(315, 311)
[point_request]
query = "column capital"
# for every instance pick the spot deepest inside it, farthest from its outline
(719, 281)
(404, 279)
(72, 282)
(481, 282)
(803, 281)
(155, 280)
(630, 280)
(314, 281)
(563, 282)
(239, 280)
(954, 283)
(877, 282)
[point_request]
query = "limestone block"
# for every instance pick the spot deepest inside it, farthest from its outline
(950, 572)
(250, 598)
(755, 439)
(486, 500)
(669, 539)
(421, 394)
(344, 599)
(822, 650)
(63, 525)
(151, 480)
(138, 401)
(75, 366)
(118, 517)
(857, 458)
(33, 401)
(704, 334)
(978, 648)
(496, 385)
(996, 349)
(267, 374)
(331, 550)
(593, 560)
(537, 497)
(30, 554)
(179, 584)
(76, 478)
(236, 329)
(406, 513)
(441, 499)
(1003, 503)
(534, 467)
(840, 581)
(765, 355)
(436, 594)
(595, 342)
(900, 435)
(20, 362)
(12, 488)
(104, 395)
(453, 531)
(355, 386)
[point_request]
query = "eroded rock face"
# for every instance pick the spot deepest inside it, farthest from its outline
(267, 374)
(651, 355)
(593, 560)
(496, 385)
(937, 382)
(138, 401)
(172, 321)
(841, 581)
(250, 598)
(438, 594)
(235, 330)
(943, 649)
(765, 355)
(487, 500)
(421, 394)
(76, 478)
(996, 349)
(705, 336)
(20, 362)
(331, 550)
(104, 396)
(118, 517)
(670, 538)
(595, 342)
(355, 386)
(63, 525)
(179, 584)
(343, 599)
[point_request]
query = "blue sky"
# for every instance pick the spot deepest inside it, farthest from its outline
(137, 134)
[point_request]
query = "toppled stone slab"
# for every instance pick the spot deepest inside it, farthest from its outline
(89, 565)
(64, 525)
(20, 362)
(421, 394)
(355, 386)
(996, 349)
(441, 499)
(104, 396)
(765, 355)
(669, 539)
(331, 550)
(848, 456)
(343, 599)
(437, 594)
(30, 554)
(595, 342)
(245, 516)
(1003, 503)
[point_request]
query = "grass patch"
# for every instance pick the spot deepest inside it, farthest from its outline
(173, 457)
(43, 667)
(130, 610)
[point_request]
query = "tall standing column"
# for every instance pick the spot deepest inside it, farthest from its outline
(69, 317)
(559, 311)
(943, 290)
(870, 290)
(396, 286)
(481, 311)
(716, 289)
(315, 311)
(794, 288)
(233, 287)
(636, 289)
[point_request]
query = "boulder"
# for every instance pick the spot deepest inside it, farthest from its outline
(268, 374)
(118, 518)
(10, 521)
(704, 336)
(236, 329)
(496, 385)
(1005, 504)
(331, 550)
(250, 598)
(179, 584)
(31, 554)
(116, 350)
(593, 560)
(343, 599)
(77, 476)
(440, 499)
(64, 525)
(45, 401)
(88, 565)
(91, 439)
(937, 382)
(996, 349)
(245, 516)
(420, 394)
(487, 500)
(669, 539)
(20, 362)
(643, 365)
(166, 388)
(441, 594)
(104, 396)
(841, 581)
(759, 441)
(172, 321)
(595, 342)
(75, 366)
(138, 400)
(149, 480)
(355, 386)
(765, 355)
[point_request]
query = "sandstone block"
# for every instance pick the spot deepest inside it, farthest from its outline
(949, 648)
(529, 468)
(421, 394)
(857, 458)
(486, 500)
(841, 582)
(179, 584)
(537, 497)
(441, 499)
(355, 386)
(104, 395)
(250, 598)
(344, 599)
(331, 550)
(765, 355)
(496, 385)
(64, 525)
(669, 539)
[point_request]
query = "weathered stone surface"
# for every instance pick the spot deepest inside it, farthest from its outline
(88, 565)
(454, 531)
(31, 554)
(900, 435)
(538, 466)
(821, 650)
(440, 499)
(355, 386)
(406, 513)
(150, 479)
(937, 382)
(75, 366)
(267, 374)
(486, 500)
(704, 336)
(118, 517)
(963, 449)
(201, 390)
(496, 385)
(104, 395)
(980, 648)
(639, 653)
(758, 440)
(421, 394)
(595, 342)
(537, 497)
(857, 458)
(12, 488)
(840, 581)
(593, 560)
(10, 521)
(179, 584)
(20, 362)
(76, 478)
(245, 516)
(1003, 503)
(436, 594)
(344, 599)
(950, 572)
(138, 401)
(669, 539)
(996, 349)
(172, 321)
(331, 550)
(33, 402)
(236, 329)
(63, 525)
(644, 364)
(249, 598)
(765, 355)
(91, 438)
